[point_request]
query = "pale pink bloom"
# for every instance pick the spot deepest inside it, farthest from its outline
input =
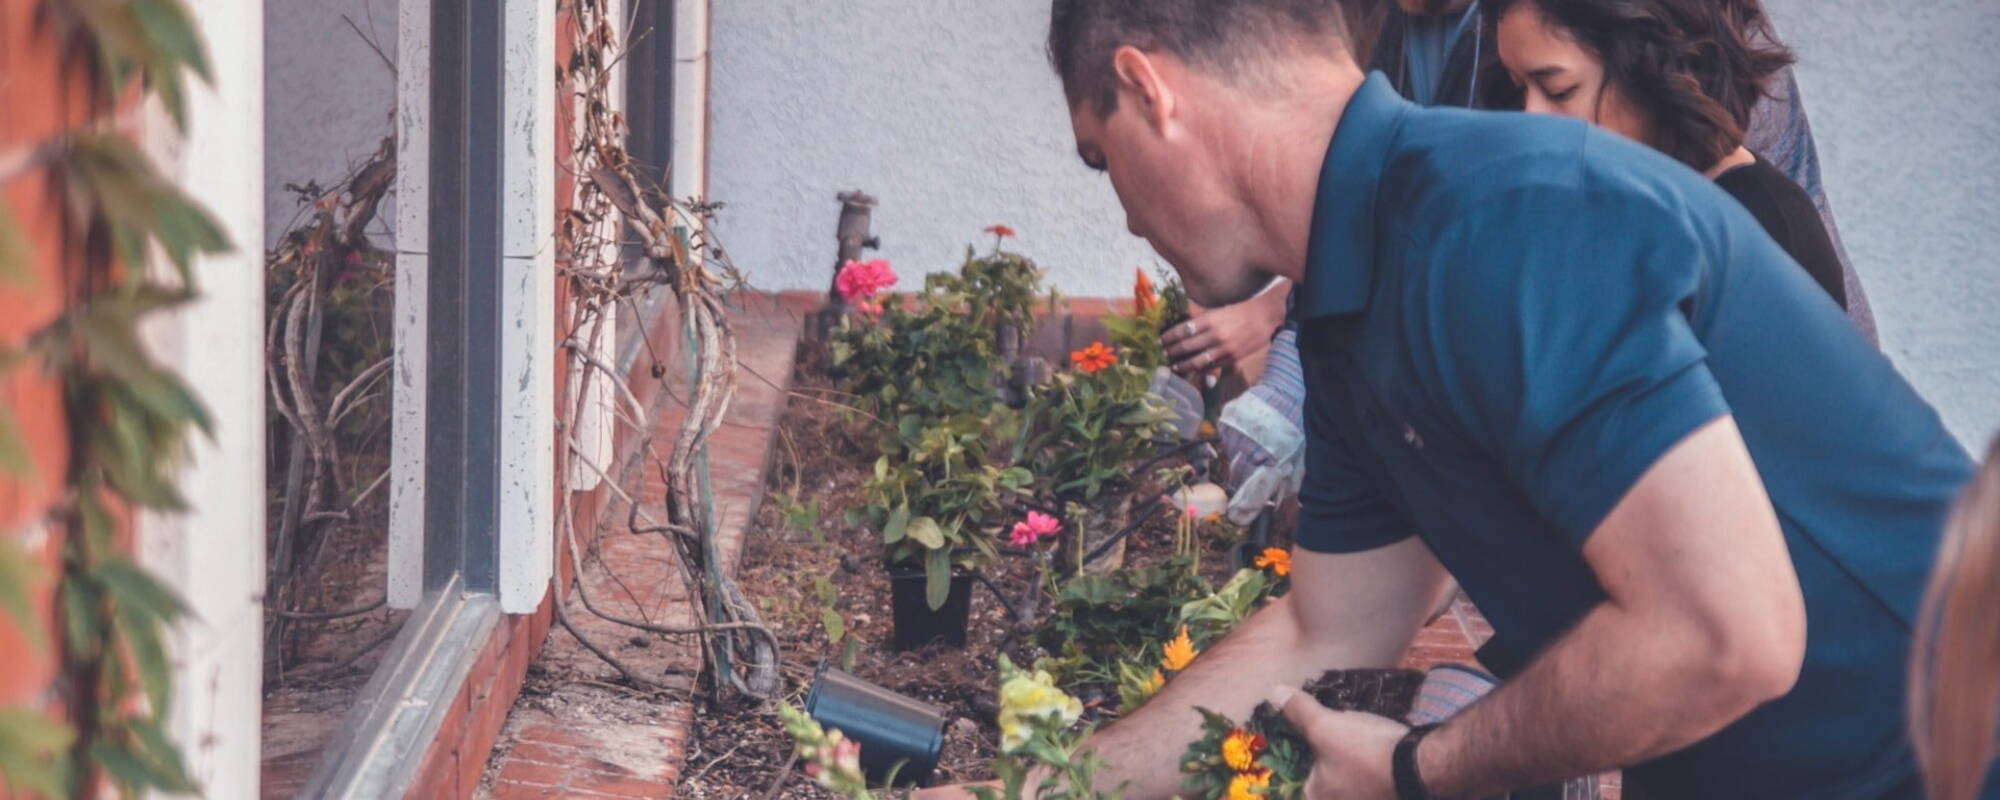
(858, 281)
(847, 756)
(1033, 529)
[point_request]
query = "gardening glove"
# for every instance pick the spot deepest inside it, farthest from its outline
(1263, 434)
(1182, 399)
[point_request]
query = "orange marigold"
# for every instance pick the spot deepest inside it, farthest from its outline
(1177, 654)
(1143, 299)
(1249, 785)
(1277, 560)
(1094, 357)
(1241, 748)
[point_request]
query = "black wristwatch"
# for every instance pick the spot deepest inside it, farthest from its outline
(1403, 765)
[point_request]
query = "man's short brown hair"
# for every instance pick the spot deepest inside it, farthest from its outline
(1222, 36)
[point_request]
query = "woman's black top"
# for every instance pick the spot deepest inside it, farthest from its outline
(1787, 213)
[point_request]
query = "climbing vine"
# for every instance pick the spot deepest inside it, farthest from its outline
(127, 418)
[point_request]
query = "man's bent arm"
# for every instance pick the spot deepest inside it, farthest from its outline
(1348, 610)
(1704, 622)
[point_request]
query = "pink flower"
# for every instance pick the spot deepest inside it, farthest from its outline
(1033, 529)
(847, 756)
(858, 281)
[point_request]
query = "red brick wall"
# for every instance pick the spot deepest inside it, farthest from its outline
(38, 102)
(455, 760)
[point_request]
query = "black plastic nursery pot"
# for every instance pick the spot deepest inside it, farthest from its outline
(892, 729)
(917, 624)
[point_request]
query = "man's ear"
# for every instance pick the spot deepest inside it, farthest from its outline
(1141, 82)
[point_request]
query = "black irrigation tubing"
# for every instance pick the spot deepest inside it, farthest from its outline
(987, 582)
(1178, 449)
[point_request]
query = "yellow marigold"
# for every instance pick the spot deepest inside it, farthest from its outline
(1249, 785)
(1158, 680)
(1241, 748)
(1278, 561)
(1030, 698)
(1094, 357)
(1179, 653)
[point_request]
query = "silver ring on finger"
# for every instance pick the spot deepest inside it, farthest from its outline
(1189, 327)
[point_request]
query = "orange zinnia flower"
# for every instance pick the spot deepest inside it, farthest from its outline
(1001, 231)
(1179, 653)
(1278, 561)
(1094, 357)
(1143, 299)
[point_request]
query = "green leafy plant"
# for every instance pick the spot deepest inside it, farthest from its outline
(1084, 429)
(935, 356)
(1098, 622)
(1112, 630)
(939, 507)
(1137, 334)
(800, 513)
(915, 363)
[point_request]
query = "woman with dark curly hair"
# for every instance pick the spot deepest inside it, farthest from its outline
(1681, 76)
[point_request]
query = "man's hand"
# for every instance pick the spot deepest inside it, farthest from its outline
(1351, 750)
(1219, 337)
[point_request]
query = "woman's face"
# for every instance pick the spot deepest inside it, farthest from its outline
(1559, 76)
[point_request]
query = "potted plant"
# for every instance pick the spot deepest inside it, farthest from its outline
(937, 509)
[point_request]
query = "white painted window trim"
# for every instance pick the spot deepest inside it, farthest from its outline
(212, 554)
(408, 394)
(528, 309)
(527, 347)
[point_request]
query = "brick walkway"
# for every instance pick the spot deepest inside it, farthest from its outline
(586, 738)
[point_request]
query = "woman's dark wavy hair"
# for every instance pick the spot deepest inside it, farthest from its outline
(1693, 69)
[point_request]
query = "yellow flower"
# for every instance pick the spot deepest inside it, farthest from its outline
(1241, 748)
(1158, 680)
(1278, 561)
(1030, 698)
(1249, 785)
(1177, 654)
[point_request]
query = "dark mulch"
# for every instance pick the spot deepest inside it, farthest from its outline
(824, 456)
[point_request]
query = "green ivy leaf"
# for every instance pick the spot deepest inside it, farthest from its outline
(14, 458)
(158, 752)
(33, 753)
(14, 252)
(18, 571)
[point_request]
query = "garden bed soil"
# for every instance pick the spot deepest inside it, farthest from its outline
(822, 458)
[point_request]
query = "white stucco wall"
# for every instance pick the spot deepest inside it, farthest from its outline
(946, 111)
(330, 98)
(1906, 109)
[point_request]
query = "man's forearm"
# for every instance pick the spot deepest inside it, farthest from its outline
(1614, 691)
(1268, 649)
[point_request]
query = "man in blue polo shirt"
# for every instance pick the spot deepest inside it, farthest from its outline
(1559, 366)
